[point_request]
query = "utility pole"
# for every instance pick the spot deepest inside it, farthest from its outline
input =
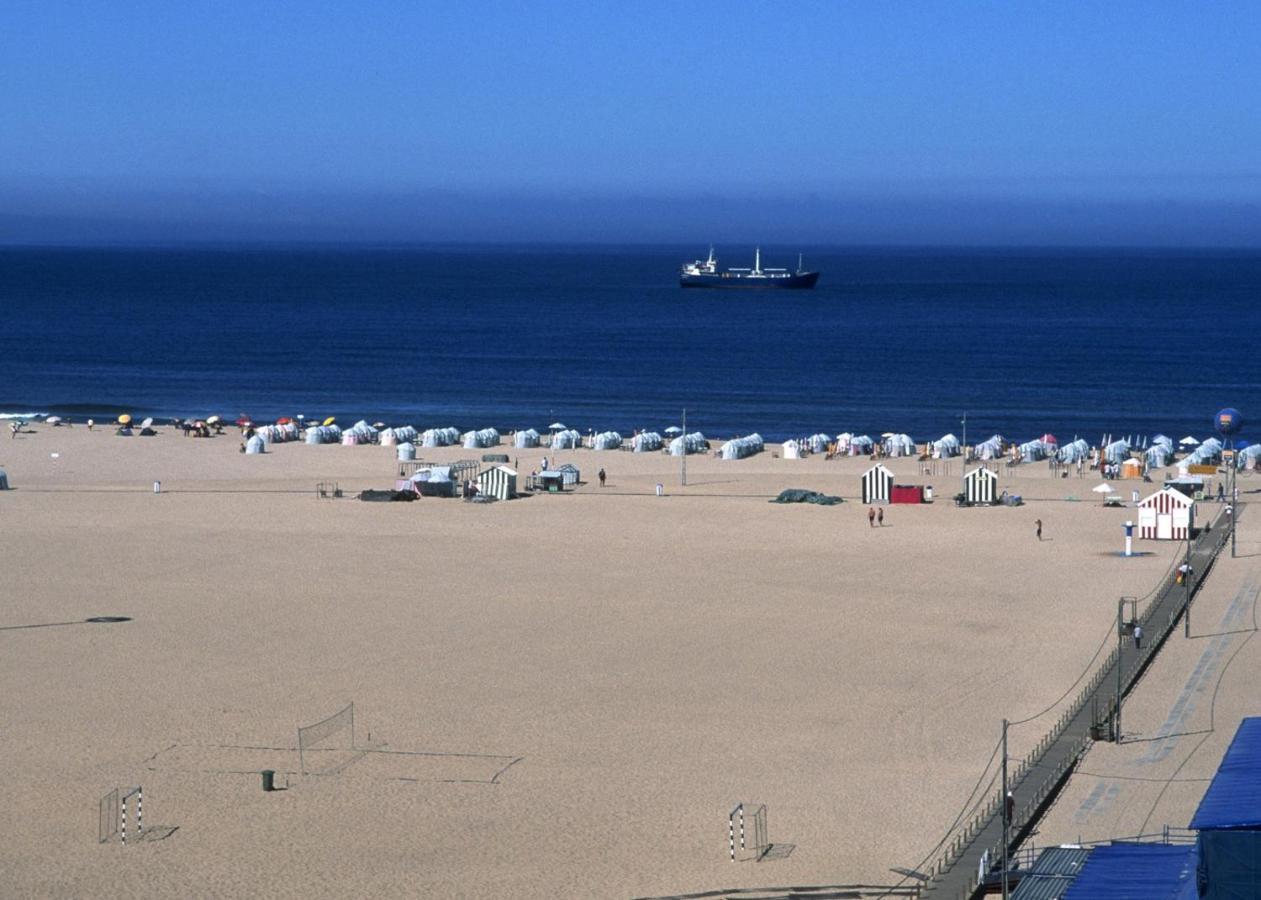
(1186, 581)
(683, 464)
(964, 473)
(1006, 816)
(1234, 501)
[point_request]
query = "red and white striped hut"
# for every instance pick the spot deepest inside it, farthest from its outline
(1166, 515)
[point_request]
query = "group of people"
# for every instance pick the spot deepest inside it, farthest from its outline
(875, 516)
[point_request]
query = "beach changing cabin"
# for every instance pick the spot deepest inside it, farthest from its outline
(1166, 515)
(877, 482)
(4, 480)
(499, 482)
(980, 487)
(569, 474)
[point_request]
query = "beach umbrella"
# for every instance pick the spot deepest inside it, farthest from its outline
(1188, 441)
(674, 429)
(124, 419)
(556, 426)
(300, 417)
(887, 434)
(213, 420)
(330, 420)
(53, 420)
(285, 421)
(146, 423)
(1103, 489)
(378, 424)
(243, 420)
(1049, 438)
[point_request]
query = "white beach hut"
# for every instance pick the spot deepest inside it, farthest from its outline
(945, 447)
(566, 439)
(499, 482)
(739, 448)
(606, 440)
(980, 487)
(646, 442)
(689, 443)
(877, 483)
(255, 445)
(1166, 515)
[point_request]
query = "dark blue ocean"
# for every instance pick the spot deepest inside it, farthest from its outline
(1024, 341)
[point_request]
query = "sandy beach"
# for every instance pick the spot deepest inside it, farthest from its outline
(566, 695)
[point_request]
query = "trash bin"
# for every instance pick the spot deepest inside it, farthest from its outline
(660, 489)
(928, 493)
(269, 779)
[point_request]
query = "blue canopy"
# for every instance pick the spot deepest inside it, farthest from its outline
(1137, 872)
(1233, 800)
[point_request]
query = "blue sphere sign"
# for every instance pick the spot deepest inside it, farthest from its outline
(1228, 421)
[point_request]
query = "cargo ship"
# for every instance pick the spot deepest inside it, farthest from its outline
(704, 273)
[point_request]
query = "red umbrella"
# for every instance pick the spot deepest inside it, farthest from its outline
(1049, 438)
(243, 420)
(285, 421)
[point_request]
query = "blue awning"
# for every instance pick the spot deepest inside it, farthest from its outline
(1233, 800)
(1137, 872)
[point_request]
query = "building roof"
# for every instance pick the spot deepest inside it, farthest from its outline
(982, 472)
(1051, 874)
(1137, 872)
(1233, 800)
(508, 469)
(1177, 496)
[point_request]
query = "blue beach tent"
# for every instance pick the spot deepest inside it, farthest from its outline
(1229, 821)
(1123, 871)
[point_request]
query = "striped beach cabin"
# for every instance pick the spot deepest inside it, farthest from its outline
(1166, 515)
(980, 487)
(499, 482)
(877, 482)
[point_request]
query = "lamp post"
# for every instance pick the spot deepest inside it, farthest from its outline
(1186, 582)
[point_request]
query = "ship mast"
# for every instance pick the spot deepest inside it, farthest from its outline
(757, 261)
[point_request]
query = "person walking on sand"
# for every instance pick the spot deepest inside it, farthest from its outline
(1138, 636)
(880, 517)
(871, 516)
(601, 476)
(1038, 526)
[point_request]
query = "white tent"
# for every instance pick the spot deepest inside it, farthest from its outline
(406, 451)
(606, 440)
(899, 445)
(691, 443)
(646, 441)
(481, 439)
(523, 440)
(440, 437)
(1117, 451)
(1157, 456)
(364, 433)
(791, 450)
(819, 442)
(404, 434)
(566, 439)
(1205, 454)
(1032, 451)
(842, 442)
(1248, 456)
(740, 447)
(255, 445)
(945, 447)
(992, 448)
(324, 434)
(1074, 452)
(860, 445)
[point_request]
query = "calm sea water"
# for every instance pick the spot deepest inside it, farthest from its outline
(1024, 341)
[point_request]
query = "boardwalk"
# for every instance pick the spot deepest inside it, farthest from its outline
(1034, 780)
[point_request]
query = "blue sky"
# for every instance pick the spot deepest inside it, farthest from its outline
(826, 122)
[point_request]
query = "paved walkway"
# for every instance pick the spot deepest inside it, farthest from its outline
(1033, 780)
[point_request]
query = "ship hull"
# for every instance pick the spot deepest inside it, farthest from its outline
(741, 281)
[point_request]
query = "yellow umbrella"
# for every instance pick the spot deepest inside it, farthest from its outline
(124, 419)
(330, 420)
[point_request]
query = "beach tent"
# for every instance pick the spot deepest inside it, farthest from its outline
(406, 452)
(324, 434)
(790, 450)
(646, 441)
(739, 448)
(842, 442)
(1074, 452)
(4, 480)
(440, 437)
(481, 439)
(991, 448)
(569, 474)
(1032, 451)
(255, 445)
(566, 439)
(1165, 516)
(876, 484)
(606, 440)
(434, 481)
(1228, 821)
(980, 487)
(1205, 454)
(945, 447)
(405, 434)
(1132, 468)
(499, 482)
(1248, 456)
(363, 432)
(689, 443)
(860, 445)
(1157, 456)
(523, 440)
(819, 442)
(898, 445)
(1116, 451)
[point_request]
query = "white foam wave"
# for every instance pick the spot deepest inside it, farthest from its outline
(28, 415)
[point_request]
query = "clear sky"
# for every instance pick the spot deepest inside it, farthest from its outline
(827, 122)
